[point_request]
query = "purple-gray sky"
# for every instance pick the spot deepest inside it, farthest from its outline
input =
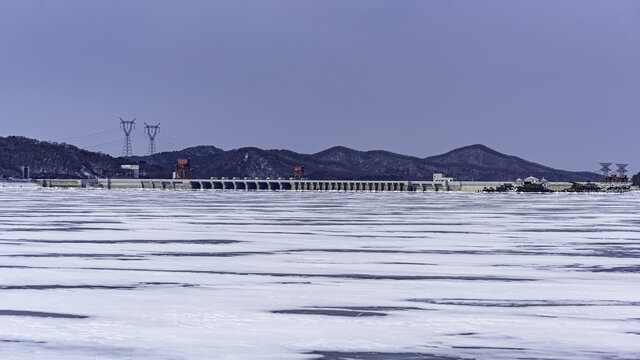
(556, 82)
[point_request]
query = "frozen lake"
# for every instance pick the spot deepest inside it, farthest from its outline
(233, 275)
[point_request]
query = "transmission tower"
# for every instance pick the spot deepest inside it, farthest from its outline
(622, 169)
(605, 170)
(152, 131)
(127, 126)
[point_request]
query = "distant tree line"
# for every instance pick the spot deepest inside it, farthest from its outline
(635, 179)
(474, 162)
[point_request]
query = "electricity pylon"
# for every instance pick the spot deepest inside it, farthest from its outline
(127, 126)
(152, 131)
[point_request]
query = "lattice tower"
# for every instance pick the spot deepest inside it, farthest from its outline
(127, 126)
(605, 168)
(622, 169)
(152, 131)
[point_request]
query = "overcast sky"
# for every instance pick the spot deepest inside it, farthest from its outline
(555, 82)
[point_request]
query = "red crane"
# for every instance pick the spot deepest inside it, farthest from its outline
(184, 169)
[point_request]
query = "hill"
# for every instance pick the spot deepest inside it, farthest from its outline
(475, 162)
(53, 160)
(478, 162)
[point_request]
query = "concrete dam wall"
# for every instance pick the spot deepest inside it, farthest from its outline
(282, 185)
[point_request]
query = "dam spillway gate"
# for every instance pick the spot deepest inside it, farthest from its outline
(250, 185)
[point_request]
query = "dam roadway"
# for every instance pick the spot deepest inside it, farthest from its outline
(438, 184)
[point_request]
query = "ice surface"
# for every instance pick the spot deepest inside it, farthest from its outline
(144, 274)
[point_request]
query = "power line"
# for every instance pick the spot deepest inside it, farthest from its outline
(177, 141)
(171, 144)
(149, 133)
(105, 132)
(102, 145)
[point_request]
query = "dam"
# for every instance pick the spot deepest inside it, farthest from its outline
(439, 183)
